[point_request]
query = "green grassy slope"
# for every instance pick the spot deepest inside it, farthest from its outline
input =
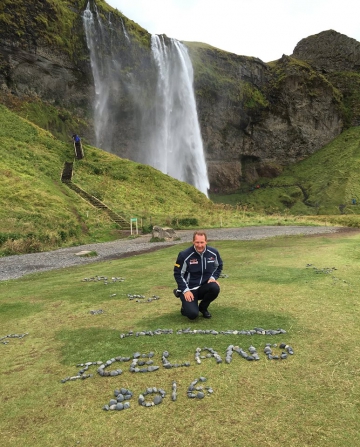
(318, 185)
(38, 211)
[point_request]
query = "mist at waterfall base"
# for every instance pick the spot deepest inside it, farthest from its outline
(169, 132)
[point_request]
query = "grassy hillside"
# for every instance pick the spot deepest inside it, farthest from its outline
(324, 184)
(38, 211)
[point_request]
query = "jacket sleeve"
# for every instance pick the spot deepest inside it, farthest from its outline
(219, 267)
(180, 268)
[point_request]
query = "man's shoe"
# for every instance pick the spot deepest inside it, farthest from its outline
(182, 312)
(206, 313)
(176, 293)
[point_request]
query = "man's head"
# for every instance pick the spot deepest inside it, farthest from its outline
(200, 240)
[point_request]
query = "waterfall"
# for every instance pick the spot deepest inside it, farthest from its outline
(124, 30)
(170, 138)
(100, 73)
(176, 146)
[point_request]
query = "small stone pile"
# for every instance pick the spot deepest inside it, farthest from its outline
(81, 374)
(121, 401)
(211, 353)
(142, 298)
(255, 331)
(96, 312)
(104, 279)
(198, 392)
(5, 337)
(231, 348)
(139, 365)
(174, 392)
(149, 333)
(168, 365)
(269, 353)
(159, 396)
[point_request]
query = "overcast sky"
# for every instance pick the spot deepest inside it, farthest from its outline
(266, 29)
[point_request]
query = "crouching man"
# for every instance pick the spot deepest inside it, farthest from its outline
(196, 272)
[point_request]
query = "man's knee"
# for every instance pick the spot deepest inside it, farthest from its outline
(213, 288)
(191, 314)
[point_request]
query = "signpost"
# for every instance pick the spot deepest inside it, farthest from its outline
(134, 220)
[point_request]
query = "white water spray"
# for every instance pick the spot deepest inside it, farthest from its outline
(175, 144)
(98, 66)
(124, 30)
(171, 138)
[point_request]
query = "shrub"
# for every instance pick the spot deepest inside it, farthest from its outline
(185, 222)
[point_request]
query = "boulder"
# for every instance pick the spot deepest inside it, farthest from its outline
(163, 233)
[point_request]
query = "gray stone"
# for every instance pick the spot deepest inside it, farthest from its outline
(157, 399)
(166, 233)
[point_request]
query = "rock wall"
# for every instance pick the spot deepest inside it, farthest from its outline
(255, 118)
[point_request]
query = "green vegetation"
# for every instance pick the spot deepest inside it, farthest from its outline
(311, 398)
(38, 212)
(323, 184)
(221, 78)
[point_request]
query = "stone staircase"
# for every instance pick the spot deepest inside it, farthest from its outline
(66, 178)
(67, 172)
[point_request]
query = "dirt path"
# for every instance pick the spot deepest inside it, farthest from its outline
(12, 267)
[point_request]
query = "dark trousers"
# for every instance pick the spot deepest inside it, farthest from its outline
(206, 294)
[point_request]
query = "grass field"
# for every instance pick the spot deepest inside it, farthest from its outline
(308, 286)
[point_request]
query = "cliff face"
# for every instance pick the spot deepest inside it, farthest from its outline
(255, 118)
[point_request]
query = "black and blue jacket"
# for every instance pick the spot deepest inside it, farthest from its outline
(193, 269)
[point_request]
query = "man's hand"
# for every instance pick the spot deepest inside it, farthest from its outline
(189, 296)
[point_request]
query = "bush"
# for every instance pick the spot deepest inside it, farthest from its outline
(185, 222)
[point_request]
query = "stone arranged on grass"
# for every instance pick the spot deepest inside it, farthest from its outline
(150, 333)
(79, 376)
(212, 353)
(142, 298)
(174, 392)
(168, 365)
(255, 331)
(96, 312)
(121, 400)
(4, 339)
(145, 365)
(158, 398)
(103, 279)
(198, 392)
(270, 355)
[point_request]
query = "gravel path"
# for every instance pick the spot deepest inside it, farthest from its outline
(12, 267)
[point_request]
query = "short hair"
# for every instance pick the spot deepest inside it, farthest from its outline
(199, 233)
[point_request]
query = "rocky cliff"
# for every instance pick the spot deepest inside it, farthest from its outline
(255, 118)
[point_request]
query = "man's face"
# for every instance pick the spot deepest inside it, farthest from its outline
(199, 243)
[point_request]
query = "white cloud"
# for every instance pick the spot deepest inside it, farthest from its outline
(261, 28)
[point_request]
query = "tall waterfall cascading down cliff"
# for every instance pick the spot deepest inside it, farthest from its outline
(176, 146)
(101, 75)
(170, 133)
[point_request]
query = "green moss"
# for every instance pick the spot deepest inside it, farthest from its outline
(319, 184)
